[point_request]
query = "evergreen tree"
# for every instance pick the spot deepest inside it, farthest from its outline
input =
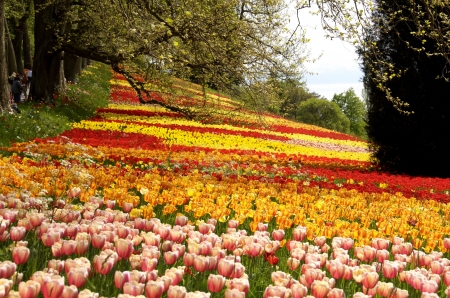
(406, 139)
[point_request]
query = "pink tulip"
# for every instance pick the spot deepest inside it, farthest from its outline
(176, 274)
(17, 233)
(29, 289)
(382, 255)
(170, 257)
(390, 269)
(163, 231)
(77, 276)
(274, 291)
(254, 249)
(298, 290)
(379, 243)
(242, 284)
(176, 292)
(278, 235)
(120, 278)
(336, 293)
(181, 220)
(20, 254)
(133, 288)
(347, 243)
(154, 289)
(148, 264)
(215, 283)
(429, 286)
(239, 271)
(53, 288)
(385, 289)
(167, 282)
(201, 263)
(98, 240)
(58, 265)
(103, 264)
(337, 269)
(320, 289)
(399, 293)
(293, 263)
(226, 267)
(188, 259)
(234, 293)
(127, 207)
(68, 247)
(70, 292)
(437, 267)
(82, 247)
(124, 248)
(320, 241)
(370, 279)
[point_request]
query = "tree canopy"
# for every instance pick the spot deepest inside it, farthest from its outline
(354, 109)
(219, 42)
(323, 113)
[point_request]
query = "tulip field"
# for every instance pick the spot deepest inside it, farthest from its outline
(141, 201)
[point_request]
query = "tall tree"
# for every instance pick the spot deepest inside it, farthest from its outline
(222, 42)
(413, 141)
(5, 105)
(354, 109)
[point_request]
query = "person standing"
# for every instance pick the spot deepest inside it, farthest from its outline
(16, 89)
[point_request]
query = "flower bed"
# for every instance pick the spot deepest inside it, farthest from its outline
(139, 201)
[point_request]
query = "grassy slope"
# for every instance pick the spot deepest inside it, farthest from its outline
(80, 102)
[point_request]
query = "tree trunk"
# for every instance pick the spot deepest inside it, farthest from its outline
(47, 61)
(84, 63)
(27, 60)
(17, 45)
(72, 66)
(10, 56)
(5, 105)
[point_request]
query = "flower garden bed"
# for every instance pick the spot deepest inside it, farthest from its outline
(139, 201)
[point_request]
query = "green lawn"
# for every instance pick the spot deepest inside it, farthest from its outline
(79, 102)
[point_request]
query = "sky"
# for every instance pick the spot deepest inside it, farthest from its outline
(337, 69)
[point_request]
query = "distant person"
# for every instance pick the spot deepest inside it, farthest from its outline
(30, 74)
(16, 89)
(11, 81)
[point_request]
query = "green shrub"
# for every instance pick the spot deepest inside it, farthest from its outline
(323, 113)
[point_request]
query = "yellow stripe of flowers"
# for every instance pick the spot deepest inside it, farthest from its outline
(170, 121)
(219, 141)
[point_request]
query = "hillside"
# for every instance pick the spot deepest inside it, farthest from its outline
(271, 205)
